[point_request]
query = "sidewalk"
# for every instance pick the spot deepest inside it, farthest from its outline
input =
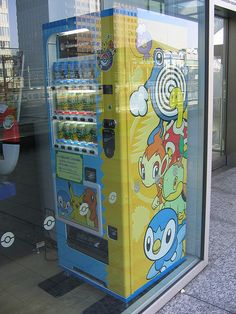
(214, 290)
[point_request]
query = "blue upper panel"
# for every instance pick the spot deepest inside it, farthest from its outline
(70, 23)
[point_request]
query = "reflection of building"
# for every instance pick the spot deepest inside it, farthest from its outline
(11, 79)
(4, 36)
(4, 25)
(31, 14)
(84, 6)
(69, 8)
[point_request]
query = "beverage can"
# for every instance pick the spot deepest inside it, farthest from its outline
(67, 131)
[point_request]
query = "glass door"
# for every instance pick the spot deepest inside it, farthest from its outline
(220, 93)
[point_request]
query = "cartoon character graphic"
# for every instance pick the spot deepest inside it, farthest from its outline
(152, 167)
(173, 190)
(84, 208)
(167, 88)
(106, 55)
(143, 41)
(163, 242)
(91, 199)
(164, 161)
(79, 209)
(175, 141)
(63, 203)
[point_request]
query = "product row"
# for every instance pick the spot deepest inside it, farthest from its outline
(73, 70)
(74, 101)
(72, 132)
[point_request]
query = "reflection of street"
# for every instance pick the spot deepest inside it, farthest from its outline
(11, 82)
(33, 112)
(217, 128)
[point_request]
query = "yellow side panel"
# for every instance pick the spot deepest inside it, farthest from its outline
(115, 169)
(147, 196)
(145, 142)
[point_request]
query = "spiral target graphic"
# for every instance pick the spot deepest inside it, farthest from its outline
(168, 78)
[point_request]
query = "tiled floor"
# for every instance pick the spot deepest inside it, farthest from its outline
(19, 291)
(213, 291)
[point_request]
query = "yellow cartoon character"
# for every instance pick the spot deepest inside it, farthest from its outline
(173, 190)
(80, 210)
(177, 102)
(152, 166)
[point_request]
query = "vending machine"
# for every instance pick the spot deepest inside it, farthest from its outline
(118, 93)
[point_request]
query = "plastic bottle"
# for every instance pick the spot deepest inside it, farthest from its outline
(87, 135)
(93, 134)
(60, 130)
(74, 132)
(80, 132)
(64, 99)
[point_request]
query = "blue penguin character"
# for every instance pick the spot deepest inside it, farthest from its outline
(63, 203)
(163, 242)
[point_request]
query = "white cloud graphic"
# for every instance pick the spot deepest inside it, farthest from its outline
(138, 102)
(141, 29)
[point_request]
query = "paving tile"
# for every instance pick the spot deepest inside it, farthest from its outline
(184, 304)
(225, 182)
(216, 284)
(23, 285)
(40, 307)
(9, 273)
(38, 264)
(223, 208)
(226, 263)
(222, 236)
(10, 304)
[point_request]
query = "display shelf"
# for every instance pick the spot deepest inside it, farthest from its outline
(69, 82)
(82, 116)
(77, 147)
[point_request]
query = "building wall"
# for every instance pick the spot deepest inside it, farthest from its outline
(4, 25)
(4, 42)
(31, 14)
(69, 8)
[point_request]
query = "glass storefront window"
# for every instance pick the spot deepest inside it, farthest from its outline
(103, 203)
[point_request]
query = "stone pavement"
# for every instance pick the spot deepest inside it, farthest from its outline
(214, 289)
